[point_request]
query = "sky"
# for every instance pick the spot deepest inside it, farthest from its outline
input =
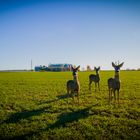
(78, 32)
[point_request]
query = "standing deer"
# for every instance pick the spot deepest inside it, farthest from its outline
(114, 83)
(73, 86)
(95, 78)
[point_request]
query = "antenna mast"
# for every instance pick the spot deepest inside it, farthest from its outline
(31, 65)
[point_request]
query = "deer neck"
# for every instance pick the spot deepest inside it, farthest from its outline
(116, 76)
(97, 74)
(75, 78)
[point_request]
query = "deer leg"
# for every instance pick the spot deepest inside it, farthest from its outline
(95, 86)
(99, 86)
(109, 94)
(118, 95)
(72, 94)
(68, 94)
(90, 85)
(114, 94)
(68, 91)
(78, 97)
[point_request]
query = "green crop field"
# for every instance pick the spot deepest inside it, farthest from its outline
(35, 105)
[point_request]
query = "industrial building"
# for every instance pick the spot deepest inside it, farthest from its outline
(54, 67)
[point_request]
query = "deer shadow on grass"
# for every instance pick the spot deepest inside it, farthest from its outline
(69, 117)
(62, 121)
(16, 117)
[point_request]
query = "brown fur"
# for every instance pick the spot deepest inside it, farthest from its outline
(73, 86)
(95, 78)
(114, 83)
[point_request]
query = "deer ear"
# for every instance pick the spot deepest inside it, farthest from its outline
(121, 64)
(72, 67)
(99, 68)
(113, 65)
(78, 67)
(94, 68)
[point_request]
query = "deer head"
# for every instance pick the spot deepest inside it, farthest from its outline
(74, 70)
(117, 66)
(97, 69)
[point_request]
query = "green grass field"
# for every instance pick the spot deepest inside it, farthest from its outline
(34, 105)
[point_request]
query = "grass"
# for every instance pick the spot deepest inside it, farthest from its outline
(34, 105)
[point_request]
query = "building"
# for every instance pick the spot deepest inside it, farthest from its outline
(54, 67)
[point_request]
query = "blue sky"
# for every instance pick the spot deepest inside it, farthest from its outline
(79, 32)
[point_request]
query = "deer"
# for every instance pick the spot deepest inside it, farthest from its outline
(114, 83)
(73, 86)
(95, 78)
